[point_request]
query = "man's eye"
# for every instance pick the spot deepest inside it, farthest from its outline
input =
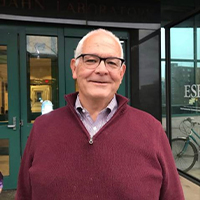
(90, 61)
(111, 63)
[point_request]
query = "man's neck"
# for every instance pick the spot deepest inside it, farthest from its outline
(94, 106)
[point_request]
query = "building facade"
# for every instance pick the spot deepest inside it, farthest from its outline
(37, 42)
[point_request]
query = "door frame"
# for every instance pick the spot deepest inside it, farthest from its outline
(47, 31)
(10, 39)
(66, 82)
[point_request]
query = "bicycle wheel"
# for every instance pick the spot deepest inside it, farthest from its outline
(185, 158)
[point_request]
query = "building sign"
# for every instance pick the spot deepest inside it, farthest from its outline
(118, 11)
(192, 93)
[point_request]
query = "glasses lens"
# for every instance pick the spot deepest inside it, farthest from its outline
(113, 63)
(91, 61)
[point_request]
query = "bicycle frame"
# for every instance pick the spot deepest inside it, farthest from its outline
(198, 136)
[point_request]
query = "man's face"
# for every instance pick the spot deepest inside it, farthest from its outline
(98, 83)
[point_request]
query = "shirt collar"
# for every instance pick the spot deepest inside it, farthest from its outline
(110, 107)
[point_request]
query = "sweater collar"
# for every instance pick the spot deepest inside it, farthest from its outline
(110, 107)
(71, 99)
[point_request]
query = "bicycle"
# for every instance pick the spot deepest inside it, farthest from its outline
(184, 150)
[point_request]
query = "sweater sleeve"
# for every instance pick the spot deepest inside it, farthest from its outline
(171, 186)
(24, 184)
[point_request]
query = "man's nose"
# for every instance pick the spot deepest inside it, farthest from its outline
(101, 68)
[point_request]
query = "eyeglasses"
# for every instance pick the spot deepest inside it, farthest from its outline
(92, 61)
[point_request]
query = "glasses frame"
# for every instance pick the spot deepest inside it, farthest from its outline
(100, 59)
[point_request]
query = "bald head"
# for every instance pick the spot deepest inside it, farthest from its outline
(102, 34)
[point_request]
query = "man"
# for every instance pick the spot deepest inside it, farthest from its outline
(98, 147)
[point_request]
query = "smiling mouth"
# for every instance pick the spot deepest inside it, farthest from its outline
(100, 82)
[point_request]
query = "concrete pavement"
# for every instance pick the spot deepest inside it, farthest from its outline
(7, 195)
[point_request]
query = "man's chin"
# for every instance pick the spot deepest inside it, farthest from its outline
(102, 96)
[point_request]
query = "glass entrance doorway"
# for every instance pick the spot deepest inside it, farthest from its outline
(42, 76)
(184, 96)
(34, 68)
(9, 109)
(29, 74)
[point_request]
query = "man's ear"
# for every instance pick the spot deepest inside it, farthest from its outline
(122, 72)
(73, 68)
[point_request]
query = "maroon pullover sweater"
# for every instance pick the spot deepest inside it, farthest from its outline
(130, 158)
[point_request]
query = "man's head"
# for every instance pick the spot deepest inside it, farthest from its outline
(98, 78)
(79, 47)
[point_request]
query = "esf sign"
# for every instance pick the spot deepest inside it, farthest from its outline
(192, 91)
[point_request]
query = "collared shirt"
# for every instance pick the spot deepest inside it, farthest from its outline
(103, 117)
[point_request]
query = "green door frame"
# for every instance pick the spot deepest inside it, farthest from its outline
(39, 31)
(16, 42)
(10, 39)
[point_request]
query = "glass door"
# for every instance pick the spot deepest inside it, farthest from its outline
(9, 109)
(42, 77)
(39, 74)
(185, 95)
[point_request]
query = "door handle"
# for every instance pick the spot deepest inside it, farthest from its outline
(13, 126)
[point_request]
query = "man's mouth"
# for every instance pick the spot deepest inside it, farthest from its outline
(100, 82)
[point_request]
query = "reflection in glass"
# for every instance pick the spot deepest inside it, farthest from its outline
(163, 84)
(4, 156)
(185, 96)
(3, 85)
(162, 43)
(182, 73)
(42, 64)
(198, 73)
(198, 42)
(148, 76)
(182, 43)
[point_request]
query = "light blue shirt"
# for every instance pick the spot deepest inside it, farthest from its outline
(103, 117)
